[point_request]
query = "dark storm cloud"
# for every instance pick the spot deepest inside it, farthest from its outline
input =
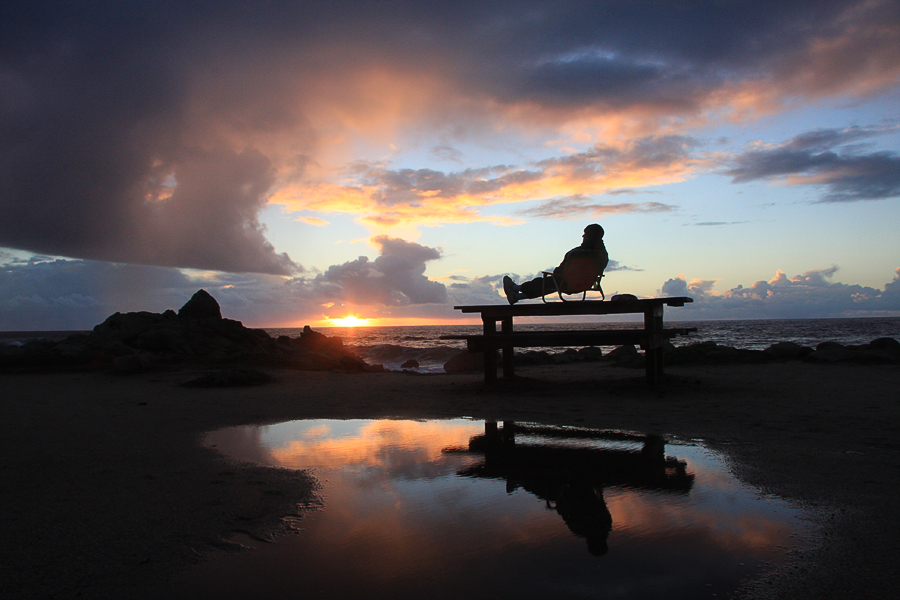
(47, 294)
(154, 132)
(671, 55)
(826, 158)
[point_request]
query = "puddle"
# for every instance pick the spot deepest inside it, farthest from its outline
(463, 508)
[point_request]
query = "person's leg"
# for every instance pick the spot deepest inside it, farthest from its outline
(528, 289)
(534, 288)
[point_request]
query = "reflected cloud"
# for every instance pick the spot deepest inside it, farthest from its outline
(598, 483)
(405, 449)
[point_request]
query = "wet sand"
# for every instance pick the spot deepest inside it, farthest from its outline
(108, 493)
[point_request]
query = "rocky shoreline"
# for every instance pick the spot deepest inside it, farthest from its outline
(198, 335)
(879, 351)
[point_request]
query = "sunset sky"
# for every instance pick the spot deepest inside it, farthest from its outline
(303, 161)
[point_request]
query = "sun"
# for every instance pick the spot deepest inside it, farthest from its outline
(349, 321)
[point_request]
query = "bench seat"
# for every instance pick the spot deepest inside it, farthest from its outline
(529, 339)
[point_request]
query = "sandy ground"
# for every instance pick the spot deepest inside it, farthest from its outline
(107, 492)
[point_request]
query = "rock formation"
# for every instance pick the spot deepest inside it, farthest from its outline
(195, 335)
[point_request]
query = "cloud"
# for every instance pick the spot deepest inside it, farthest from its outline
(56, 294)
(717, 223)
(78, 294)
(133, 133)
(563, 186)
(395, 278)
(50, 294)
(826, 158)
(812, 294)
(579, 207)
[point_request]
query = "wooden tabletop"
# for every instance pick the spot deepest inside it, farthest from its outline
(574, 307)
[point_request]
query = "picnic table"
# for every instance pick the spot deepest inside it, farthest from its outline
(650, 338)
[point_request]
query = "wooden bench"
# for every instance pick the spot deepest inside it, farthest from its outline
(651, 338)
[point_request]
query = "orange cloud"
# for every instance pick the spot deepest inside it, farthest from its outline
(385, 199)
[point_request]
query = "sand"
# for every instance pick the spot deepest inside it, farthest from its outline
(108, 492)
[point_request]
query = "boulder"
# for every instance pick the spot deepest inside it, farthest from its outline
(465, 362)
(200, 306)
(787, 351)
(313, 340)
(626, 352)
(886, 345)
(590, 353)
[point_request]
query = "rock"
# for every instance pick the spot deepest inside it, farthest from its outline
(313, 340)
(622, 353)
(882, 350)
(830, 346)
(201, 306)
(353, 364)
(787, 351)
(533, 357)
(127, 326)
(590, 353)
(830, 354)
(465, 362)
(722, 354)
(196, 335)
(886, 345)
(410, 364)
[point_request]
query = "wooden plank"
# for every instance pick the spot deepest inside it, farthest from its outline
(586, 307)
(573, 338)
(526, 339)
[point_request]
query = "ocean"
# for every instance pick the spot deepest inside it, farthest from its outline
(393, 346)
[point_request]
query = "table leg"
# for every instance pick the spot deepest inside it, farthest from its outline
(653, 354)
(489, 327)
(506, 326)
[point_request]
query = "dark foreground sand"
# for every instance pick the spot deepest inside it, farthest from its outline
(107, 492)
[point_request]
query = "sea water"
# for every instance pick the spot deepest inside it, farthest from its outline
(393, 346)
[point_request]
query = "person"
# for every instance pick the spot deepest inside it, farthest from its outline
(591, 246)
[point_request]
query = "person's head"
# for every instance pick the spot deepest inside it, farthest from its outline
(593, 233)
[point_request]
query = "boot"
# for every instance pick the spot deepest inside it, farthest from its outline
(513, 292)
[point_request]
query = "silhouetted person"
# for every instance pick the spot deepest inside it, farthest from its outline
(591, 247)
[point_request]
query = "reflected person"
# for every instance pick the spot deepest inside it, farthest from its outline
(583, 508)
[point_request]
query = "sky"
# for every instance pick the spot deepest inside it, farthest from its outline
(310, 161)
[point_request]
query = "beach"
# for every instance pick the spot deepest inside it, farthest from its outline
(109, 492)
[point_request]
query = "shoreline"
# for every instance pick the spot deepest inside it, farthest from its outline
(112, 494)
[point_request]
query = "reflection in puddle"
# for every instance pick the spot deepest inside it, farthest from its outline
(462, 508)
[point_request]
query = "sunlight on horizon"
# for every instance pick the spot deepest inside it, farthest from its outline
(350, 321)
(388, 322)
